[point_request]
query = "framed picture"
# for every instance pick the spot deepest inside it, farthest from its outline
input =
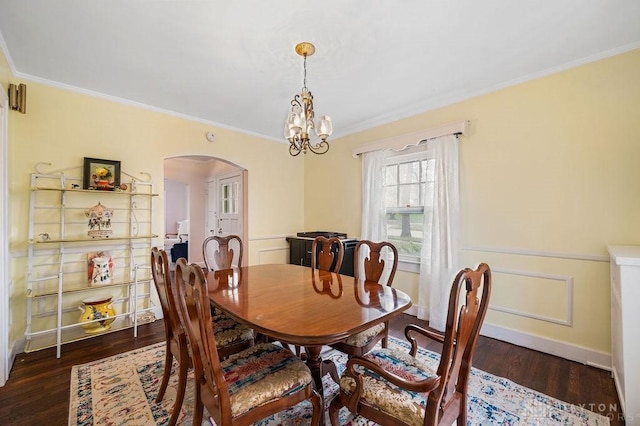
(100, 266)
(101, 174)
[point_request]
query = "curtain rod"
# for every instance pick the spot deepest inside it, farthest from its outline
(401, 142)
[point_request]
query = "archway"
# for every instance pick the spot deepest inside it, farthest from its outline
(198, 177)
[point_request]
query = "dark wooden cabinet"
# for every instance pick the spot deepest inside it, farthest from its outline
(300, 253)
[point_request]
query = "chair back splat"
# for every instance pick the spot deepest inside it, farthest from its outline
(330, 254)
(392, 387)
(222, 252)
(375, 261)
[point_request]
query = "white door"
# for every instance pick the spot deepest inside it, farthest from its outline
(230, 202)
(225, 205)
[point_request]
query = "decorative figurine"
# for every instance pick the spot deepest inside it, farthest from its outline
(99, 221)
(101, 273)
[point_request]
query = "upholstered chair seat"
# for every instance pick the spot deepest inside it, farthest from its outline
(229, 332)
(263, 373)
(386, 397)
(363, 338)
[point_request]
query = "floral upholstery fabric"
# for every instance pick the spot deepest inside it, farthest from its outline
(229, 331)
(364, 337)
(387, 397)
(261, 374)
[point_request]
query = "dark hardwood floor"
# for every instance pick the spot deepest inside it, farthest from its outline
(37, 392)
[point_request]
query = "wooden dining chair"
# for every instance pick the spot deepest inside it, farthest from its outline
(248, 386)
(373, 261)
(327, 254)
(175, 337)
(392, 387)
(222, 252)
(230, 336)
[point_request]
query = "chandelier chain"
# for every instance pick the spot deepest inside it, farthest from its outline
(304, 84)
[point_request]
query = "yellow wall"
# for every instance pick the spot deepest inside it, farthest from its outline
(62, 127)
(550, 167)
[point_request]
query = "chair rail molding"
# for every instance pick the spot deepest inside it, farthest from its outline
(268, 237)
(538, 253)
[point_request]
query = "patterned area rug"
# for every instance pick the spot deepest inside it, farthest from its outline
(121, 390)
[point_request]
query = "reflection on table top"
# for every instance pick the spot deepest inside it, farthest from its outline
(302, 306)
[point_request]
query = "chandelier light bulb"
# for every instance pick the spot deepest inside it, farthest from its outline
(325, 128)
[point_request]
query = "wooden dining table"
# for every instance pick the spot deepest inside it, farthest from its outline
(302, 306)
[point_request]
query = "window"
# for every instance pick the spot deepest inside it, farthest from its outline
(408, 194)
(229, 198)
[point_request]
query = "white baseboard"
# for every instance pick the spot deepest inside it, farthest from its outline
(17, 348)
(558, 348)
(565, 350)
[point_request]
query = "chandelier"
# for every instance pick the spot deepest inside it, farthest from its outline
(300, 121)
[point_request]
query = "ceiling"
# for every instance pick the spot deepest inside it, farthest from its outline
(232, 63)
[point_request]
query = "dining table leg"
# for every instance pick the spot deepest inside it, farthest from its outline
(314, 362)
(320, 367)
(318, 370)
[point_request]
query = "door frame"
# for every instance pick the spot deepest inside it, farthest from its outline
(5, 284)
(211, 219)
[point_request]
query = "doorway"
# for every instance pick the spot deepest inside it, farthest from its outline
(209, 183)
(225, 204)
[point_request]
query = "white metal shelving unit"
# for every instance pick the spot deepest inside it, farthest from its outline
(59, 247)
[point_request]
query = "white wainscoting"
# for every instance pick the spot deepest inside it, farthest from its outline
(545, 344)
(270, 249)
(566, 281)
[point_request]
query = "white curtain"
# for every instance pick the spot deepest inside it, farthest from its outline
(374, 227)
(373, 210)
(439, 257)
